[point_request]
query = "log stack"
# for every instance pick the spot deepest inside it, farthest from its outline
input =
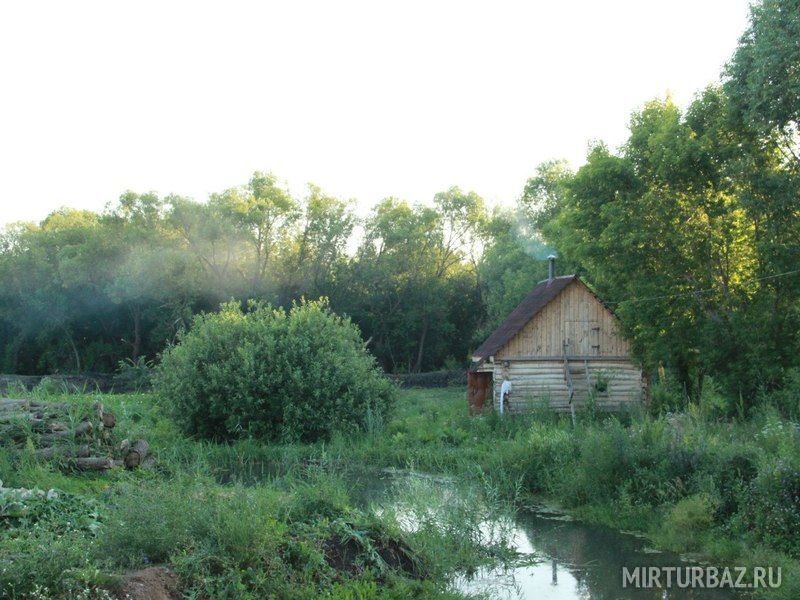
(77, 436)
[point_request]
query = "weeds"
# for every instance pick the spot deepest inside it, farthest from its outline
(286, 519)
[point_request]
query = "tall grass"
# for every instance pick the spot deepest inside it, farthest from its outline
(254, 516)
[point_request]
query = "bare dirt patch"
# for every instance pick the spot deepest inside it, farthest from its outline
(153, 583)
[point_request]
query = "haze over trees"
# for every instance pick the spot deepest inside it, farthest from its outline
(83, 291)
(690, 230)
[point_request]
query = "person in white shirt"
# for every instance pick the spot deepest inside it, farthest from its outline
(505, 393)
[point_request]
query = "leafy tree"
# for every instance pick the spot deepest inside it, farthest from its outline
(85, 290)
(512, 262)
(326, 225)
(409, 270)
(763, 79)
(263, 211)
(544, 192)
(208, 233)
(672, 231)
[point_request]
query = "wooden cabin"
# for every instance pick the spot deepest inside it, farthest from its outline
(562, 348)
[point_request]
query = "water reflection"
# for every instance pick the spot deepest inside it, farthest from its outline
(562, 559)
(578, 560)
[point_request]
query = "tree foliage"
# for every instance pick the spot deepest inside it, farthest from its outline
(690, 231)
(682, 236)
(763, 79)
(289, 375)
(84, 291)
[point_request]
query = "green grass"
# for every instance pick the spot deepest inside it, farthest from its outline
(234, 520)
(248, 519)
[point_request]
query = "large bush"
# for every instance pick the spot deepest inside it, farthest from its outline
(264, 372)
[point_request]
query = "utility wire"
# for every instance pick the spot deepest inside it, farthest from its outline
(705, 291)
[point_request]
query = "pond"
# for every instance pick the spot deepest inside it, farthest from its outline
(561, 558)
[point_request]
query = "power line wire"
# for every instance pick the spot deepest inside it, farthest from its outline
(705, 291)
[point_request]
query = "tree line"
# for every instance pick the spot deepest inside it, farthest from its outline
(690, 231)
(84, 290)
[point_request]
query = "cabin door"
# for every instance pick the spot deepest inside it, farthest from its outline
(582, 337)
(478, 389)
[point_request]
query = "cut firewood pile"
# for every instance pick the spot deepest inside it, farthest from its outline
(80, 437)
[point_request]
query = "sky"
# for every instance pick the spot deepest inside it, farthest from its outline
(365, 99)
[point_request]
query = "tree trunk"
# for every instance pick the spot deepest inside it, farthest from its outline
(75, 352)
(137, 332)
(16, 346)
(420, 352)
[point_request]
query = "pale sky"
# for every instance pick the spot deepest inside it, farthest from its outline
(366, 99)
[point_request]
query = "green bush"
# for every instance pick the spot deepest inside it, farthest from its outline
(50, 386)
(732, 471)
(289, 539)
(268, 373)
(134, 375)
(550, 450)
(772, 512)
(665, 396)
(43, 565)
(786, 398)
(713, 403)
(687, 522)
(602, 462)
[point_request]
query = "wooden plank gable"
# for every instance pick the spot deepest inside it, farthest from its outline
(576, 316)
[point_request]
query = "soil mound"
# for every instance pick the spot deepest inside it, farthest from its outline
(153, 583)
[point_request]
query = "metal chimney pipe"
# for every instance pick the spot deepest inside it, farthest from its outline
(551, 267)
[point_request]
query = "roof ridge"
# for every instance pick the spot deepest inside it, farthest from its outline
(573, 276)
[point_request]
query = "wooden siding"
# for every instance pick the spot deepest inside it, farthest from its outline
(543, 383)
(576, 316)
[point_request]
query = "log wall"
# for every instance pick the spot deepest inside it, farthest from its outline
(543, 383)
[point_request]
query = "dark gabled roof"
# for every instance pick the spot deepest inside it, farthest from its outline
(544, 292)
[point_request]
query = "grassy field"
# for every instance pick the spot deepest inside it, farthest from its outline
(248, 519)
(244, 520)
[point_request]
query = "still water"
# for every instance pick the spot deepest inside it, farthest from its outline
(561, 559)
